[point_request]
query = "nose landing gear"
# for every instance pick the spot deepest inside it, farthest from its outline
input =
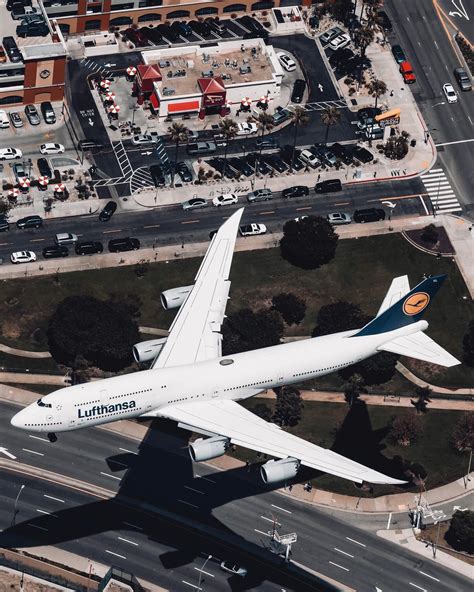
(52, 437)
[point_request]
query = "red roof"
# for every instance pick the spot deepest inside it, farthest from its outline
(147, 72)
(211, 85)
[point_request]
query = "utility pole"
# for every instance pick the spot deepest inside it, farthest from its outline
(468, 478)
(15, 509)
(201, 572)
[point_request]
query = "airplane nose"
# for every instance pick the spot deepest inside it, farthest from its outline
(17, 420)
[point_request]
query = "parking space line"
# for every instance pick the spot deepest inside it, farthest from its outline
(195, 490)
(204, 572)
(356, 542)
(343, 552)
(261, 532)
(56, 499)
(127, 541)
(205, 478)
(192, 585)
(116, 554)
(187, 503)
(111, 476)
(428, 576)
(38, 527)
(129, 451)
(132, 525)
(270, 520)
(33, 451)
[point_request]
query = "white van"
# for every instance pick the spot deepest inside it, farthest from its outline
(4, 120)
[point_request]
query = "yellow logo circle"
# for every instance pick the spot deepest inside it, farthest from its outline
(415, 303)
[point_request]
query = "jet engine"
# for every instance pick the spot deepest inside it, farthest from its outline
(205, 449)
(274, 471)
(146, 351)
(174, 298)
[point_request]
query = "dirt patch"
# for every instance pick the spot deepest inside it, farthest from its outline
(11, 329)
(430, 533)
(10, 581)
(442, 246)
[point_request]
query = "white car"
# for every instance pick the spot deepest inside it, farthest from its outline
(51, 148)
(10, 153)
(340, 41)
(23, 257)
(337, 218)
(286, 61)
(450, 93)
(143, 139)
(225, 200)
(234, 568)
(245, 129)
(252, 229)
(310, 158)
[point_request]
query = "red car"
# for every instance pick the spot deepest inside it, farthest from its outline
(137, 37)
(407, 72)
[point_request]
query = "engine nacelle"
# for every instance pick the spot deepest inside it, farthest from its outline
(274, 471)
(205, 449)
(146, 351)
(174, 298)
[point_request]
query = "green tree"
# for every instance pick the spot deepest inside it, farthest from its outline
(460, 534)
(263, 411)
(338, 316)
(422, 399)
(377, 369)
(309, 242)
(265, 125)
(291, 308)
(468, 345)
(99, 331)
(405, 429)
(430, 234)
(396, 147)
(5, 207)
(288, 406)
(299, 118)
(354, 388)
(362, 38)
(463, 434)
(340, 9)
(228, 128)
(330, 116)
(247, 330)
(376, 89)
(178, 133)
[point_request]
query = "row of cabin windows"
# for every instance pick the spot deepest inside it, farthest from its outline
(186, 398)
(322, 369)
(131, 394)
(232, 388)
(86, 403)
(43, 424)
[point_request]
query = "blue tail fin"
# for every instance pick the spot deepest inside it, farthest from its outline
(407, 310)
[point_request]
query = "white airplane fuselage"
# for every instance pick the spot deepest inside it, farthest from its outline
(232, 377)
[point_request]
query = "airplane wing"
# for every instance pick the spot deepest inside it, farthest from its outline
(195, 334)
(243, 428)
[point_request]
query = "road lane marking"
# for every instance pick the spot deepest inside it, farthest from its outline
(111, 476)
(192, 585)
(343, 552)
(265, 213)
(36, 240)
(195, 490)
(116, 554)
(187, 503)
(305, 208)
(456, 142)
(127, 541)
(282, 509)
(261, 532)
(428, 576)
(419, 587)
(3, 244)
(424, 206)
(38, 527)
(389, 520)
(33, 452)
(339, 566)
(400, 197)
(356, 542)
(270, 520)
(204, 572)
(129, 451)
(152, 226)
(133, 525)
(190, 221)
(38, 438)
(342, 203)
(48, 513)
(205, 478)
(56, 499)
(110, 231)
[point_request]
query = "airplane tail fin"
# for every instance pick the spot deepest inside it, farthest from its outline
(408, 309)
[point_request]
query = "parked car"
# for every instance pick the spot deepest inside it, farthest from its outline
(324, 154)
(12, 50)
(4, 119)
(19, 11)
(463, 79)
(233, 568)
(252, 229)
(19, 171)
(340, 41)
(182, 28)
(275, 162)
(296, 191)
(328, 35)
(449, 92)
(184, 172)
(406, 71)
(298, 90)
(369, 215)
(266, 143)
(32, 114)
(136, 37)
(156, 172)
(310, 158)
(217, 26)
(362, 155)
(4, 224)
(3, 55)
(227, 199)
(168, 33)
(29, 222)
(32, 29)
(152, 35)
(108, 211)
(65, 238)
(10, 153)
(292, 160)
(258, 163)
(201, 148)
(44, 168)
(246, 128)
(48, 112)
(384, 21)
(259, 195)
(398, 54)
(366, 116)
(341, 153)
(241, 166)
(328, 186)
(23, 257)
(288, 64)
(11, 3)
(196, 203)
(119, 245)
(88, 248)
(51, 148)
(144, 139)
(338, 218)
(55, 251)
(16, 119)
(281, 115)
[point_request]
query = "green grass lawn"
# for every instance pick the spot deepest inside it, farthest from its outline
(361, 273)
(433, 450)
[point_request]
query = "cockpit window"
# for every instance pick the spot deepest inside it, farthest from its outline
(41, 403)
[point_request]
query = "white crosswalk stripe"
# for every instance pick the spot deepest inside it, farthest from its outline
(440, 192)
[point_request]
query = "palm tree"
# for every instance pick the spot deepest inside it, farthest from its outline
(228, 128)
(370, 11)
(330, 116)
(265, 123)
(299, 117)
(376, 89)
(178, 133)
(363, 37)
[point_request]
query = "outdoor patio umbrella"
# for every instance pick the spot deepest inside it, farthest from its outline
(43, 182)
(24, 184)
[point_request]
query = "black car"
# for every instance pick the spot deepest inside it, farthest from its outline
(157, 175)
(262, 166)
(384, 21)
(182, 28)
(168, 32)
(296, 191)
(32, 29)
(369, 215)
(89, 248)
(152, 35)
(108, 211)
(44, 168)
(362, 155)
(298, 90)
(286, 154)
(398, 54)
(29, 222)
(10, 46)
(341, 153)
(275, 161)
(219, 164)
(118, 245)
(266, 143)
(183, 171)
(240, 165)
(4, 224)
(328, 186)
(55, 251)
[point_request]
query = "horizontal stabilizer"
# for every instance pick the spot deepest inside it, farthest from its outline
(398, 289)
(420, 346)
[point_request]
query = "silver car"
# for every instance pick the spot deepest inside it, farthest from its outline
(337, 218)
(260, 195)
(194, 204)
(329, 35)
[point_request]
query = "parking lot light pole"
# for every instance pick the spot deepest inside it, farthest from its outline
(201, 570)
(15, 509)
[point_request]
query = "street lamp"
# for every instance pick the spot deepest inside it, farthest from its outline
(201, 570)
(15, 510)
(468, 478)
(441, 516)
(391, 206)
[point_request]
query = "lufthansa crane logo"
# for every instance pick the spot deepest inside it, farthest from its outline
(415, 303)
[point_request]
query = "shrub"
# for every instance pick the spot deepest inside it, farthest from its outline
(405, 429)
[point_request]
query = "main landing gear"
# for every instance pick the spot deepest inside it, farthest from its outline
(52, 437)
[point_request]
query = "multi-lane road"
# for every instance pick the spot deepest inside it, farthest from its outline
(158, 471)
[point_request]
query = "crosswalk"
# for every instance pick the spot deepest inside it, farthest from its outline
(122, 158)
(441, 194)
(140, 179)
(322, 105)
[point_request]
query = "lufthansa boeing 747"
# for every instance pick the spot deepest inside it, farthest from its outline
(190, 382)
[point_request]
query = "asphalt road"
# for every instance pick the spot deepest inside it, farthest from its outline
(428, 48)
(158, 471)
(171, 225)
